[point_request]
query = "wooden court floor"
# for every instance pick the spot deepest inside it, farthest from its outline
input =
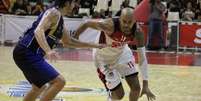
(173, 77)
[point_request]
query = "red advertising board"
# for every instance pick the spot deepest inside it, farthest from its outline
(189, 35)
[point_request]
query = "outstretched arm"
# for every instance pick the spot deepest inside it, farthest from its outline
(70, 42)
(143, 64)
(103, 25)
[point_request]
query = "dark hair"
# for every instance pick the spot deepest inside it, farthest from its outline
(61, 3)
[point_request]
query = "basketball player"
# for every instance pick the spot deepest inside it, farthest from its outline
(38, 41)
(118, 61)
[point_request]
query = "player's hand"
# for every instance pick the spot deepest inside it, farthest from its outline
(148, 93)
(52, 55)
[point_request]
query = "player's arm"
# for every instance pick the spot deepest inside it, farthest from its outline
(142, 55)
(45, 23)
(143, 64)
(102, 25)
(70, 42)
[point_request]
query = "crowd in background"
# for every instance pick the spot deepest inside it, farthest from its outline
(161, 10)
(188, 9)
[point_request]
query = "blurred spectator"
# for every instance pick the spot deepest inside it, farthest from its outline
(188, 9)
(198, 11)
(19, 8)
(28, 6)
(38, 8)
(49, 4)
(156, 18)
(188, 13)
(88, 4)
(4, 6)
(101, 14)
(109, 3)
(184, 2)
(76, 8)
(124, 4)
(174, 5)
(110, 14)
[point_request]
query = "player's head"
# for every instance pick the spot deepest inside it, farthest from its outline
(126, 20)
(66, 5)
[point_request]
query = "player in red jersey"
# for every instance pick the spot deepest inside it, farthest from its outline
(118, 61)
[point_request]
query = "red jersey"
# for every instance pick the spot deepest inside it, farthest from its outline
(118, 36)
(119, 41)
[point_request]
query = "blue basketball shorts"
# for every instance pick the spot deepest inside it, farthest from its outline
(34, 67)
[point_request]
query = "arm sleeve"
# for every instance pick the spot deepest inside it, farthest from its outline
(143, 62)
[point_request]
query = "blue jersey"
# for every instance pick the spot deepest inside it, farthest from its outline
(52, 35)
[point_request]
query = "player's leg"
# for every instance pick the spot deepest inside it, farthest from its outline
(55, 87)
(56, 83)
(23, 59)
(38, 72)
(117, 93)
(134, 85)
(113, 84)
(33, 93)
(45, 73)
(39, 77)
(131, 76)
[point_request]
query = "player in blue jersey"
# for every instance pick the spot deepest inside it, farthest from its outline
(39, 40)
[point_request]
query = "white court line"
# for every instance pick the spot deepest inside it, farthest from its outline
(197, 98)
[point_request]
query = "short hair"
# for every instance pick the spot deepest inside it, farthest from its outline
(61, 3)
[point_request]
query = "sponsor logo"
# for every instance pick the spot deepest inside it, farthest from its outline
(197, 40)
(22, 88)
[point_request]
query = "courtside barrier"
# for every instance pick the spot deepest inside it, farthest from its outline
(13, 26)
